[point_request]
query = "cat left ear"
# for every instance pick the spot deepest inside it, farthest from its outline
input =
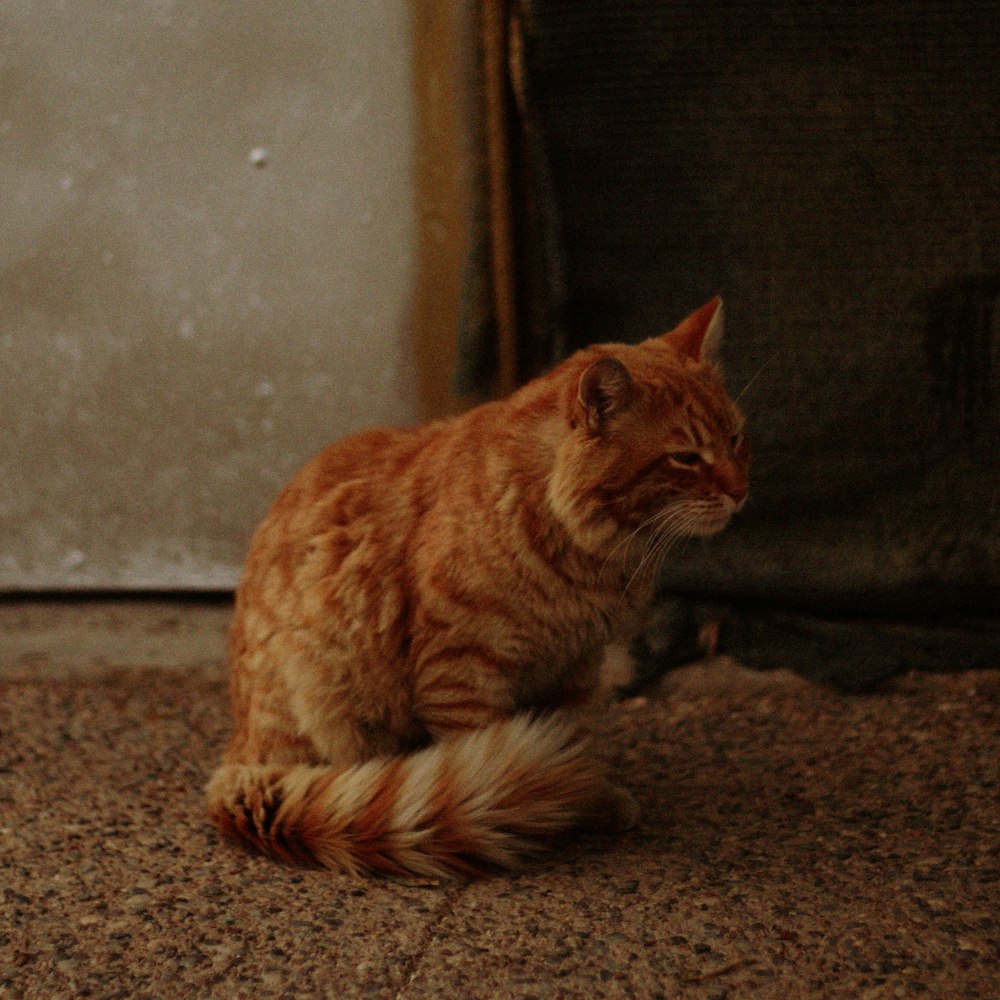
(605, 389)
(698, 337)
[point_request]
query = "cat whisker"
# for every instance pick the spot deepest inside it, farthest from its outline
(760, 371)
(665, 543)
(675, 522)
(627, 541)
(668, 543)
(669, 521)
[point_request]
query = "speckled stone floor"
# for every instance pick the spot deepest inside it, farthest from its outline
(794, 843)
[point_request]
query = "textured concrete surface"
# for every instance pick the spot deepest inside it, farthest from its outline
(207, 263)
(61, 639)
(794, 843)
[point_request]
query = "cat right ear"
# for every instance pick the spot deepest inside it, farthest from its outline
(698, 336)
(605, 389)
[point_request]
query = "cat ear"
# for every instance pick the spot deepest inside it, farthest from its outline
(605, 388)
(698, 337)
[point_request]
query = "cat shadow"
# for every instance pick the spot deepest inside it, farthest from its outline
(759, 807)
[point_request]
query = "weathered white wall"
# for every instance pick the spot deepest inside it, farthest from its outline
(180, 328)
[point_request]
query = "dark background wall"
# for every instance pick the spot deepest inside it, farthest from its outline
(833, 171)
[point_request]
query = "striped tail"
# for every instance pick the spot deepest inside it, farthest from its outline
(469, 805)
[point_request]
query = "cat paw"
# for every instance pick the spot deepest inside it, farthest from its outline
(616, 810)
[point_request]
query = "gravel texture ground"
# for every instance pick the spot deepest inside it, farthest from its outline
(794, 843)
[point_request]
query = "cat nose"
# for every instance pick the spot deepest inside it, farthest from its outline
(732, 482)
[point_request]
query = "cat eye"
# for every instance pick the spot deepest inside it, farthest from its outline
(685, 457)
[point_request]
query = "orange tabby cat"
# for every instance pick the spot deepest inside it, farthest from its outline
(418, 602)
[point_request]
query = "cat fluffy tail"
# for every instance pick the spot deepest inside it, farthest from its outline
(472, 804)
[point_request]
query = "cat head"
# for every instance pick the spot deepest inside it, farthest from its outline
(652, 440)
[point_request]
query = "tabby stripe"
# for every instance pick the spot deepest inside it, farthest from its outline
(534, 536)
(314, 821)
(444, 821)
(535, 575)
(443, 697)
(372, 824)
(479, 603)
(291, 846)
(626, 488)
(285, 563)
(472, 706)
(472, 651)
(263, 827)
(442, 702)
(457, 718)
(426, 620)
(425, 629)
(401, 461)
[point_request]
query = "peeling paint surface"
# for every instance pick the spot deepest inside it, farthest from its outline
(206, 266)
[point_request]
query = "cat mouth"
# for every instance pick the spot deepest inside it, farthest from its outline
(714, 519)
(709, 526)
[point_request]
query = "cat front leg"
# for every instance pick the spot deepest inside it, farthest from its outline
(614, 808)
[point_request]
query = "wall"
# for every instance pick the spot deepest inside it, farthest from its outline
(831, 169)
(207, 256)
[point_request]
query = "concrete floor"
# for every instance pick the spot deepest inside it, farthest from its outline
(794, 843)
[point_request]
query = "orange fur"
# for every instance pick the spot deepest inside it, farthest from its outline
(418, 600)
